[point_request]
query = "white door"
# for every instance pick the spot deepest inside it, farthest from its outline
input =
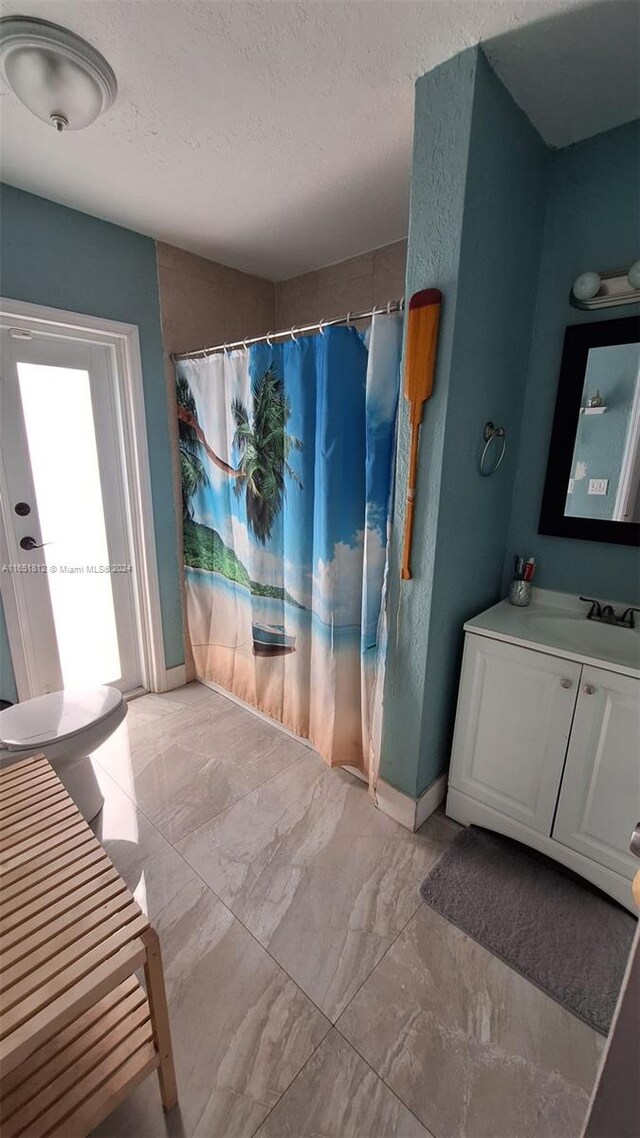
(66, 513)
(599, 801)
(512, 728)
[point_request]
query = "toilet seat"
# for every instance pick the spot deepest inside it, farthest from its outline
(55, 717)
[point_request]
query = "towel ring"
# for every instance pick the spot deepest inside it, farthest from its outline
(489, 433)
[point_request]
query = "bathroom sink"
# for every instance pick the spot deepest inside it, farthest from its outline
(586, 637)
(557, 623)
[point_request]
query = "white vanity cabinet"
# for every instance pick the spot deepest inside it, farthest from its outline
(512, 730)
(598, 803)
(546, 746)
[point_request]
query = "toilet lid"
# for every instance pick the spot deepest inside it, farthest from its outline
(50, 718)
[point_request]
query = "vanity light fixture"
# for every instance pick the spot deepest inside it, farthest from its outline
(633, 276)
(605, 290)
(586, 286)
(57, 75)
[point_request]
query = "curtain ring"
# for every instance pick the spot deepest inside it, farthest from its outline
(388, 308)
(293, 335)
(349, 324)
(246, 346)
(225, 349)
(268, 339)
(321, 326)
(489, 433)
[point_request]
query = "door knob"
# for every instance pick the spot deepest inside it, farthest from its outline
(31, 543)
(588, 689)
(565, 683)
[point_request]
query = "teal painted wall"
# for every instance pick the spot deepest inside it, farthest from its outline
(442, 129)
(7, 681)
(600, 439)
(56, 256)
(477, 212)
(592, 221)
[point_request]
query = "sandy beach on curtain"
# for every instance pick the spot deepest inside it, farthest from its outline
(314, 690)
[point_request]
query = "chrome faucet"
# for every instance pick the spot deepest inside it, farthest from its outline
(608, 615)
(628, 617)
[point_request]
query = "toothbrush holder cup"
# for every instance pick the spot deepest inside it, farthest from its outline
(520, 593)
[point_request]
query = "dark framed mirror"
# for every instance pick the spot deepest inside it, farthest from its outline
(592, 487)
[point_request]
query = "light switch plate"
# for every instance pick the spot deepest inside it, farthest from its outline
(598, 485)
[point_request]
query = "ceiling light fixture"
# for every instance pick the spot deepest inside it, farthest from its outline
(57, 75)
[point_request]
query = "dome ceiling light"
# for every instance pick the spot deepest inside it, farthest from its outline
(57, 75)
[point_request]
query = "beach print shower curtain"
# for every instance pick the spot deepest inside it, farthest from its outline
(286, 461)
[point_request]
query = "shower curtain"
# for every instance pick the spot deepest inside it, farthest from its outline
(286, 461)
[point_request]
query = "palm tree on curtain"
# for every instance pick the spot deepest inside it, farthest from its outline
(264, 447)
(192, 470)
(192, 476)
(263, 444)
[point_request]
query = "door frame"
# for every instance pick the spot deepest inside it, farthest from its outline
(125, 341)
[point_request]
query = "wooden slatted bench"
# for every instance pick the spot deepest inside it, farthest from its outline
(77, 1030)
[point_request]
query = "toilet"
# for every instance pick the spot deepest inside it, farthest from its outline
(65, 726)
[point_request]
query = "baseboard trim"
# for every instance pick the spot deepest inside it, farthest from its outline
(431, 798)
(410, 812)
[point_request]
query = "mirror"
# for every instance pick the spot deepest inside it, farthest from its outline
(592, 487)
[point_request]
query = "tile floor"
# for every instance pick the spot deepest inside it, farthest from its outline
(311, 993)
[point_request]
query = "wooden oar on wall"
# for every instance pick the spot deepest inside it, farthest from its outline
(420, 357)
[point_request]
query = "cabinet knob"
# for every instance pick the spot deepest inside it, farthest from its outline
(565, 683)
(588, 689)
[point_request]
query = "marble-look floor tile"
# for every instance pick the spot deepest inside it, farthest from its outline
(338, 1096)
(149, 708)
(184, 766)
(190, 694)
(130, 840)
(145, 709)
(469, 1045)
(321, 878)
(241, 1029)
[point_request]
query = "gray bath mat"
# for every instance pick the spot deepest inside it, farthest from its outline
(558, 932)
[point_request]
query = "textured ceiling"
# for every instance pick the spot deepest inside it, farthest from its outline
(577, 73)
(275, 137)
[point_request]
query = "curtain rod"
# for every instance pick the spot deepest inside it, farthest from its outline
(350, 318)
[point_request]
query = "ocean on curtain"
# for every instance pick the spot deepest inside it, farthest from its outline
(286, 460)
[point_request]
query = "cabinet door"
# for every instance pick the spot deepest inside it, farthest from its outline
(599, 801)
(514, 717)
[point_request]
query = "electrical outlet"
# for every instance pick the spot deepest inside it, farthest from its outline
(572, 483)
(598, 485)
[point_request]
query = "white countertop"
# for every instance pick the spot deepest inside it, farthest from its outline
(556, 623)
